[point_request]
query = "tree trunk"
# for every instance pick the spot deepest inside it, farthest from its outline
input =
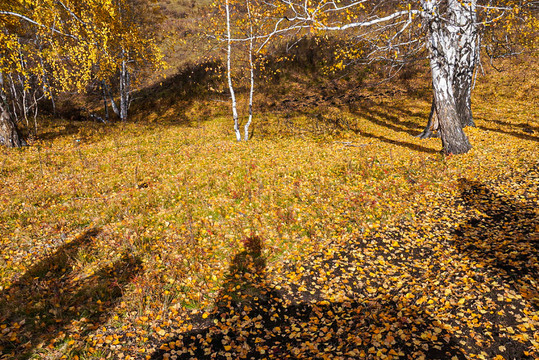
(9, 134)
(464, 17)
(453, 51)
(444, 53)
(124, 91)
(431, 130)
(111, 98)
(454, 141)
(229, 75)
(106, 108)
(251, 73)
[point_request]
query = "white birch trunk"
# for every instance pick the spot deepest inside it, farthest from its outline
(113, 104)
(462, 17)
(105, 105)
(443, 45)
(9, 134)
(465, 17)
(251, 73)
(124, 91)
(229, 74)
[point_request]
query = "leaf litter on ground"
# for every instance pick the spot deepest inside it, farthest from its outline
(172, 241)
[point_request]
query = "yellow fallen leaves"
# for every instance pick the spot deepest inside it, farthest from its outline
(306, 199)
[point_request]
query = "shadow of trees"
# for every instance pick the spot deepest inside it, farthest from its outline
(169, 101)
(501, 233)
(520, 135)
(400, 143)
(52, 297)
(389, 118)
(171, 98)
(254, 319)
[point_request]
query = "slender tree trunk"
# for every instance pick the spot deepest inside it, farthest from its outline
(443, 45)
(105, 105)
(465, 18)
(124, 91)
(229, 75)
(14, 96)
(113, 104)
(431, 130)
(251, 72)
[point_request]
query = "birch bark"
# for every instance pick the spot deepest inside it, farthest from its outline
(465, 18)
(229, 74)
(251, 73)
(9, 134)
(443, 45)
(124, 91)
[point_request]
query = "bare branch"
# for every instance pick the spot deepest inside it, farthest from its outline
(25, 18)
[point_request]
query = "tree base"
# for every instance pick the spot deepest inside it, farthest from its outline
(456, 149)
(9, 134)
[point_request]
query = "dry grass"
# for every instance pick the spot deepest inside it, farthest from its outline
(158, 209)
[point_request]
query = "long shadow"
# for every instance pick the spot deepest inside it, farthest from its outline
(525, 127)
(50, 297)
(177, 93)
(405, 144)
(501, 233)
(391, 122)
(512, 133)
(255, 319)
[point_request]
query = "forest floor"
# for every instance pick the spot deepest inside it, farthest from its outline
(333, 234)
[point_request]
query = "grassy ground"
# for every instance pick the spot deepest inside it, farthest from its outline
(334, 233)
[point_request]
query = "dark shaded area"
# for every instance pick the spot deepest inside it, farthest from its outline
(405, 144)
(390, 118)
(501, 233)
(168, 101)
(527, 128)
(521, 135)
(176, 94)
(254, 319)
(69, 129)
(50, 297)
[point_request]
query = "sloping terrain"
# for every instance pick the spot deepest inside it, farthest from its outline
(333, 233)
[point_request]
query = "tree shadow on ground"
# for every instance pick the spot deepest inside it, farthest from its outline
(526, 127)
(52, 297)
(169, 102)
(520, 135)
(171, 99)
(254, 318)
(501, 233)
(389, 118)
(404, 144)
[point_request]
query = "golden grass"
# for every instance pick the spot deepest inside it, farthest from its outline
(181, 197)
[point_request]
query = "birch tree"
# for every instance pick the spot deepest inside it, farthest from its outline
(242, 25)
(229, 73)
(51, 46)
(449, 30)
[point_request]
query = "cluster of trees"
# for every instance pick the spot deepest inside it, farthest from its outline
(452, 34)
(53, 46)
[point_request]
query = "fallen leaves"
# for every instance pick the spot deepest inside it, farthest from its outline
(373, 252)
